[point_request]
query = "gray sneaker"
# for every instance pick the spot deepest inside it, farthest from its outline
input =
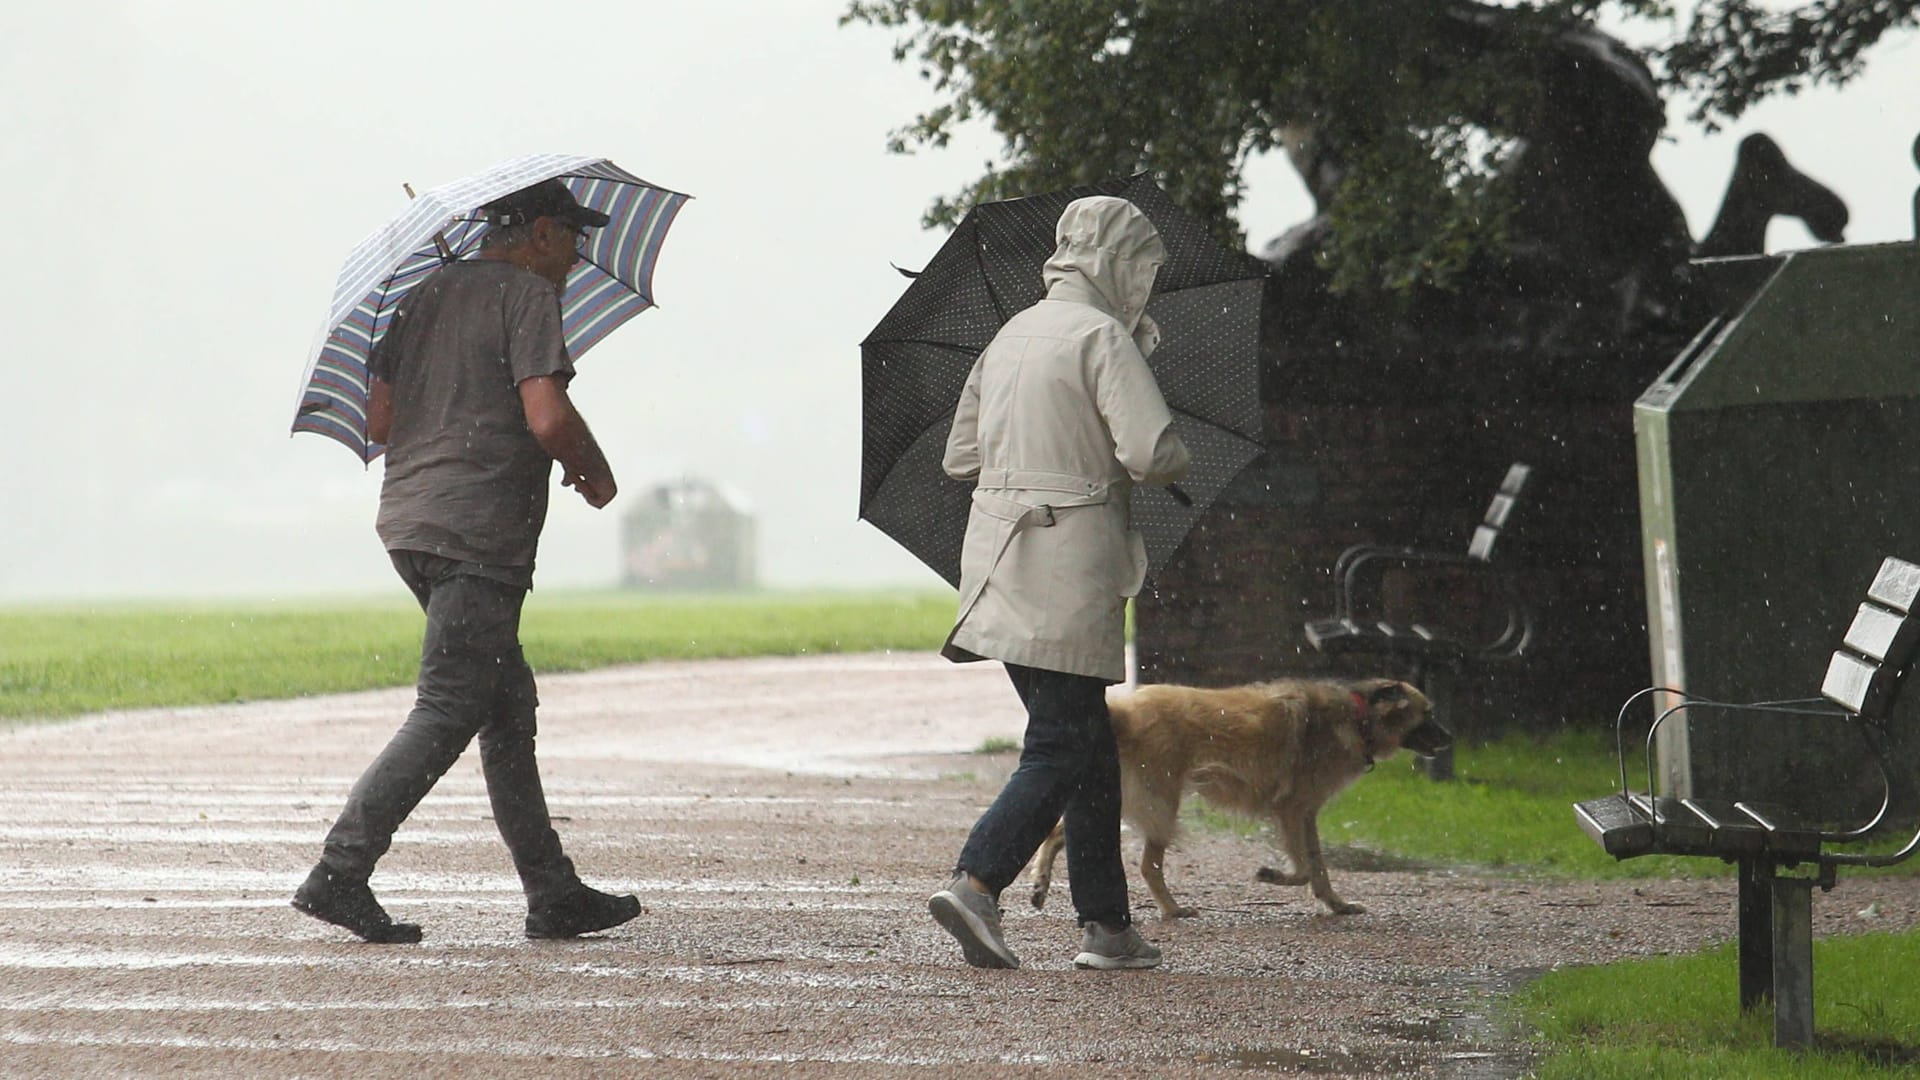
(1112, 950)
(973, 918)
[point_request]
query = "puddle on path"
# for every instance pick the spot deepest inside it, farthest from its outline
(1342, 1062)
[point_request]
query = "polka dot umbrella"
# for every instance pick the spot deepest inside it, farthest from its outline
(1207, 302)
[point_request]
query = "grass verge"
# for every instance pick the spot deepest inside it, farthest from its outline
(61, 661)
(1511, 808)
(1678, 1016)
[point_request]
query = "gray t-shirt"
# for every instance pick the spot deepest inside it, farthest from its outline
(465, 478)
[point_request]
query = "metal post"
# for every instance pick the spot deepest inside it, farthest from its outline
(1437, 683)
(1756, 932)
(1792, 961)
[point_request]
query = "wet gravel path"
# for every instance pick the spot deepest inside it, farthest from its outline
(784, 821)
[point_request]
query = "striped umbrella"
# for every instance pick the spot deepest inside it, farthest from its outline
(612, 283)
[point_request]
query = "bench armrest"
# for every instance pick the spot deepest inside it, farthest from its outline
(1358, 573)
(1360, 570)
(1368, 551)
(1777, 709)
(1620, 734)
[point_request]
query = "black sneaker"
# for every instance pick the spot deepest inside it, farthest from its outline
(329, 897)
(583, 911)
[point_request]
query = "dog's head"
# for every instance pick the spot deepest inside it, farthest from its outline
(1402, 717)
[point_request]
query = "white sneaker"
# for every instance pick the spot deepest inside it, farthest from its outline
(1114, 950)
(973, 918)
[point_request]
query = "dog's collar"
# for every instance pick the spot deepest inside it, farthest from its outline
(1363, 716)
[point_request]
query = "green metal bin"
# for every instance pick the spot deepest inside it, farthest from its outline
(1779, 461)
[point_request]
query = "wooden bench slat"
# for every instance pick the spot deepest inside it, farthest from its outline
(1499, 510)
(1897, 585)
(1881, 633)
(1857, 684)
(1694, 827)
(1336, 636)
(1787, 833)
(1677, 827)
(1734, 832)
(1620, 829)
(1484, 539)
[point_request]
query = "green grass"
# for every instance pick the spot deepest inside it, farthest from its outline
(1679, 1016)
(60, 661)
(1673, 1016)
(1511, 809)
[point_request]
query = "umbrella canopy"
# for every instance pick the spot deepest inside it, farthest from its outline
(913, 366)
(612, 283)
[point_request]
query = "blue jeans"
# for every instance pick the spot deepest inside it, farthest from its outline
(1069, 766)
(474, 680)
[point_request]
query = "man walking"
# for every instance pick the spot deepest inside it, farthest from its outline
(1059, 418)
(470, 396)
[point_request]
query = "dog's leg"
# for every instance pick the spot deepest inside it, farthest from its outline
(1317, 867)
(1300, 839)
(1279, 877)
(1043, 864)
(1287, 821)
(1153, 860)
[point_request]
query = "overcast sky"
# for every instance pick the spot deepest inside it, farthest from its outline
(184, 179)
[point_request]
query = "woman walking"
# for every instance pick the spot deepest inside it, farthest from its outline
(1060, 417)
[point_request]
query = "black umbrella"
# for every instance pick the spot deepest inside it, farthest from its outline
(913, 366)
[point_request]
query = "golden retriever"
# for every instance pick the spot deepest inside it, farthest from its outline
(1274, 751)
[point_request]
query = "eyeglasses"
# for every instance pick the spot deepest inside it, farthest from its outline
(581, 238)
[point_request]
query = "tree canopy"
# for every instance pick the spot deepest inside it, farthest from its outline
(1429, 103)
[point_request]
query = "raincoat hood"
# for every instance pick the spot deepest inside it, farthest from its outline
(1107, 255)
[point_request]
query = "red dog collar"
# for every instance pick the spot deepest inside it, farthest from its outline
(1364, 715)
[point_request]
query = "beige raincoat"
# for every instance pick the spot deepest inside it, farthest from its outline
(1059, 418)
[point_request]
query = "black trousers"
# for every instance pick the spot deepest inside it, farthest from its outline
(474, 680)
(1069, 766)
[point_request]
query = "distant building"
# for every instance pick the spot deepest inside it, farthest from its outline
(688, 534)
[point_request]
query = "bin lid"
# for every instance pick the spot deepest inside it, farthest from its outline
(1827, 324)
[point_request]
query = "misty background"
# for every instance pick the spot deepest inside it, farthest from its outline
(183, 180)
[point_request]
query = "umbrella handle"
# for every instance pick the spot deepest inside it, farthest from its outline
(1179, 495)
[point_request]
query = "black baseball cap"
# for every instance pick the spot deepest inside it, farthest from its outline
(548, 198)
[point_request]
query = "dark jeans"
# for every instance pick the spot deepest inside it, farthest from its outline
(1069, 765)
(474, 680)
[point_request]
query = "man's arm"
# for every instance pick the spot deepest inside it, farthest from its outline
(562, 433)
(380, 411)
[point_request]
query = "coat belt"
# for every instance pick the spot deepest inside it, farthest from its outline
(1040, 480)
(1024, 514)
(1017, 518)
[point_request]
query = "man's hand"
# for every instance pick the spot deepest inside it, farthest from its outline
(597, 496)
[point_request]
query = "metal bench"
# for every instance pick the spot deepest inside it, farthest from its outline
(1775, 911)
(1432, 657)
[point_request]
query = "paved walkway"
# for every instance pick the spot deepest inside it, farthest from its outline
(784, 821)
